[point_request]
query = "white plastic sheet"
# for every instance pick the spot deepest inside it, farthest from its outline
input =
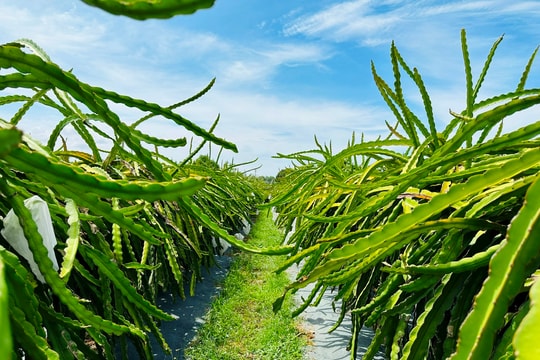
(14, 234)
(221, 244)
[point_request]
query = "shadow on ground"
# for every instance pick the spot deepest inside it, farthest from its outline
(190, 312)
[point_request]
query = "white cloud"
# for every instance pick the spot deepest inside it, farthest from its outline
(55, 29)
(265, 125)
(344, 21)
(247, 64)
(457, 7)
(372, 22)
(97, 45)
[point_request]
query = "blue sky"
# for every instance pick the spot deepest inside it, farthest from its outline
(286, 70)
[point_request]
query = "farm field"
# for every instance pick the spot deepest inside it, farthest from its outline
(420, 244)
(240, 323)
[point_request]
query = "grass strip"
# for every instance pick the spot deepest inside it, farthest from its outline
(240, 323)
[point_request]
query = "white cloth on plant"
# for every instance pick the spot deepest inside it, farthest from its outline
(14, 234)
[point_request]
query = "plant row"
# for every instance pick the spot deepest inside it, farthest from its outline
(89, 238)
(429, 236)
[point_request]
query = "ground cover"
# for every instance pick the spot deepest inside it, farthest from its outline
(241, 323)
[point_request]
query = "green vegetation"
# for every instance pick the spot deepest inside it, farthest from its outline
(150, 9)
(241, 324)
(90, 237)
(429, 235)
(436, 245)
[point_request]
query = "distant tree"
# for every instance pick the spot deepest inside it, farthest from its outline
(283, 174)
(267, 179)
(204, 160)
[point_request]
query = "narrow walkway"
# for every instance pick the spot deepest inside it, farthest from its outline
(316, 320)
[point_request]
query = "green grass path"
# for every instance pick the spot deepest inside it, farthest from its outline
(241, 323)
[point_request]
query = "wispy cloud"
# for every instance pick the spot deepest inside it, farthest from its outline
(249, 64)
(72, 36)
(427, 34)
(372, 22)
(344, 21)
